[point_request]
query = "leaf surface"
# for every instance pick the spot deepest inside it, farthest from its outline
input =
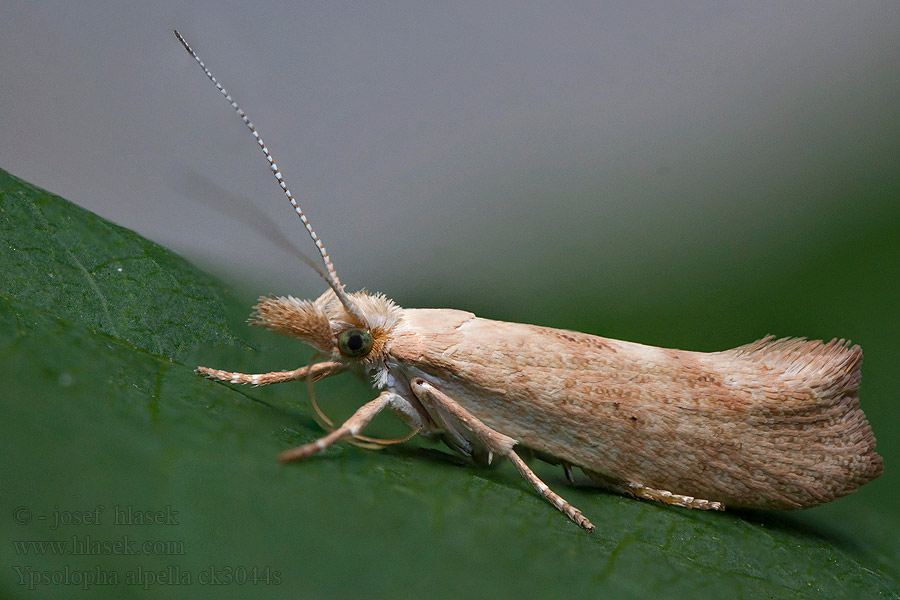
(100, 330)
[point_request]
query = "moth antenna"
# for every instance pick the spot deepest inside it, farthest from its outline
(330, 276)
(361, 441)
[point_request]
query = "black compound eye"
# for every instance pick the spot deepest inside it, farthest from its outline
(355, 342)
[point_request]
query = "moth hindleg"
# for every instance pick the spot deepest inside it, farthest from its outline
(314, 372)
(667, 497)
(570, 478)
(499, 443)
(550, 459)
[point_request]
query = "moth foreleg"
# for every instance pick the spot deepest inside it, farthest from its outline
(315, 372)
(666, 497)
(498, 443)
(351, 427)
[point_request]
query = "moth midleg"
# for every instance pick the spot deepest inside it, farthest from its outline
(497, 443)
(666, 497)
(352, 426)
(555, 499)
(313, 372)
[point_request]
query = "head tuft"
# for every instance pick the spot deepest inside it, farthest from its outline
(297, 318)
(319, 322)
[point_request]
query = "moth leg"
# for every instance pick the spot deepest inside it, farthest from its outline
(498, 443)
(555, 499)
(570, 478)
(403, 410)
(352, 426)
(314, 372)
(553, 460)
(667, 497)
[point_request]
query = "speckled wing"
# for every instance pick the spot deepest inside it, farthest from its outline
(773, 424)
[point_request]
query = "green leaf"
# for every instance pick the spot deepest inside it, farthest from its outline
(102, 417)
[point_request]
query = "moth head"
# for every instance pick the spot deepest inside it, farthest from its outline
(326, 324)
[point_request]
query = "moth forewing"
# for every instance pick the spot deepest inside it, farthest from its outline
(773, 424)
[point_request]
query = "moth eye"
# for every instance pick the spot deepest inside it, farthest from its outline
(355, 342)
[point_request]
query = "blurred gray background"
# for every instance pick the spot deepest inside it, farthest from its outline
(470, 154)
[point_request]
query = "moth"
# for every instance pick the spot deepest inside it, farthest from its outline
(774, 424)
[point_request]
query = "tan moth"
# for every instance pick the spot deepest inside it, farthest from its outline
(774, 424)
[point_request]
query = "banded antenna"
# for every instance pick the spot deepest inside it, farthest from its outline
(330, 276)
